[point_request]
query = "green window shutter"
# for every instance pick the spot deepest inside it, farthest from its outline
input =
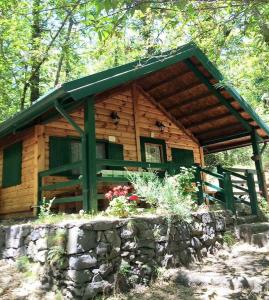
(183, 157)
(59, 153)
(12, 165)
(115, 151)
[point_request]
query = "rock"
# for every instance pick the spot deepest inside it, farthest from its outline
(239, 283)
(113, 238)
(102, 249)
(196, 244)
(79, 276)
(42, 244)
(82, 262)
(94, 288)
(80, 240)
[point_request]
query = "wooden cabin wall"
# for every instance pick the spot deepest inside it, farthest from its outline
(18, 200)
(35, 157)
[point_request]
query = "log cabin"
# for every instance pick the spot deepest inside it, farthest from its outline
(162, 112)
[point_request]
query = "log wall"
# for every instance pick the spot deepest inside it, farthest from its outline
(138, 116)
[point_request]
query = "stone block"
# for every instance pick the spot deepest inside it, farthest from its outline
(82, 262)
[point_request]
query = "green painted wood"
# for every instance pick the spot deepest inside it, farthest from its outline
(216, 93)
(59, 153)
(144, 140)
(232, 91)
(131, 163)
(68, 200)
(213, 186)
(59, 185)
(228, 192)
(112, 179)
(252, 193)
(182, 156)
(239, 187)
(258, 164)
(12, 165)
(115, 152)
(60, 169)
(219, 176)
(89, 123)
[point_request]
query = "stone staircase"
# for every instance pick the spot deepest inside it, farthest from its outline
(252, 229)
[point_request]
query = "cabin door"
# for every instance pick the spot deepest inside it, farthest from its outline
(182, 156)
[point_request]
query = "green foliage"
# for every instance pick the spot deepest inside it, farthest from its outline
(229, 238)
(57, 248)
(125, 268)
(121, 207)
(146, 185)
(173, 195)
(264, 207)
(23, 264)
(45, 209)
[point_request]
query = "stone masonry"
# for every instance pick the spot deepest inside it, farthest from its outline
(86, 258)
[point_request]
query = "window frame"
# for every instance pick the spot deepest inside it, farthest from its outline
(149, 140)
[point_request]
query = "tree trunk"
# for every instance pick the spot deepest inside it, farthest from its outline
(64, 51)
(36, 36)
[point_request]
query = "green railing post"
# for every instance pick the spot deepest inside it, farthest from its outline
(228, 192)
(257, 157)
(252, 192)
(199, 182)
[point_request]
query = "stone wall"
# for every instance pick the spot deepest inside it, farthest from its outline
(87, 258)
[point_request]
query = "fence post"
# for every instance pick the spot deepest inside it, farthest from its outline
(252, 192)
(199, 182)
(228, 192)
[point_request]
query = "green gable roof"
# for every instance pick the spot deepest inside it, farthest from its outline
(103, 81)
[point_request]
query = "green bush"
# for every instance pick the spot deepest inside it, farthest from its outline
(173, 195)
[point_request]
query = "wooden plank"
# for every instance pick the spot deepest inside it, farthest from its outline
(136, 121)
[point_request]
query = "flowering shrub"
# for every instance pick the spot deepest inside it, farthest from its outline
(121, 203)
(171, 195)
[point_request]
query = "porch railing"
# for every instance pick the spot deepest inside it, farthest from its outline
(64, 184)
(221, 189)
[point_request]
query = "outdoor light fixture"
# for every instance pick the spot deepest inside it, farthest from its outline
(160, 125)
(115, 117)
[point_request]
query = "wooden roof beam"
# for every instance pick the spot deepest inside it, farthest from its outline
(198, 111)
(223, 139)
(217, 131)
(210, 119)
(166, 113)
(168, 79)
(222, 99)
(179, 91)
(189, 100)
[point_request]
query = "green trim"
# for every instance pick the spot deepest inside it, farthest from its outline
(258, 164)
(67, 200)
(12, 165)
(102, 81)
(215, 92)
(144, 140)
(233, 92)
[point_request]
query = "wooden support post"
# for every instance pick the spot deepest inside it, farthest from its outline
(199, 182)
(39, 154)
(258, 164)
(252, 192)
(228, 192)
(90, 148)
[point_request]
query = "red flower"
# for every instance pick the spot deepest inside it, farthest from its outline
(133, 198)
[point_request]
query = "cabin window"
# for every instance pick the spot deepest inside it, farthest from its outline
(66, 150)
(153, 150)
(12, 165)
(153, 153)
